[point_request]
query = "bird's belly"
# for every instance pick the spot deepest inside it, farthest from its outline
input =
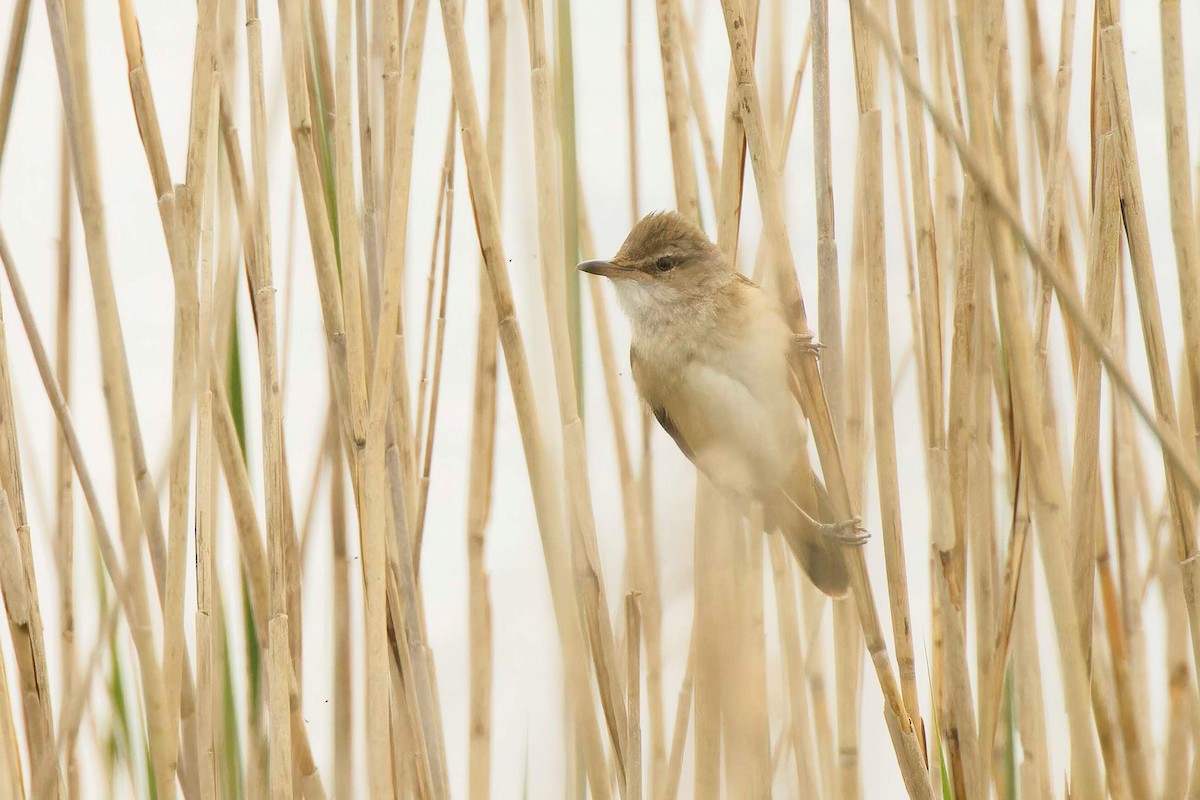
(745, 443)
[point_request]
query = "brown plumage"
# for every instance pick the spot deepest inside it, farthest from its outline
(710, 357)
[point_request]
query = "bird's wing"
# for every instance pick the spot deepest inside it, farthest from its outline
(658, 405)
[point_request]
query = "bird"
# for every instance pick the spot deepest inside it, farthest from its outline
(709, 353)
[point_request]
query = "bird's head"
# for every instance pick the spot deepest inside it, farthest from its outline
(665, 262)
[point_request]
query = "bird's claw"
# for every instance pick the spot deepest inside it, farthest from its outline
(848, 532)
(806, 345)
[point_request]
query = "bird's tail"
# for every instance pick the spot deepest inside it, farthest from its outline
(794, 514)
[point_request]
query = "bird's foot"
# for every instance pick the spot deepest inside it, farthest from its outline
(806, 345)
(850, 532)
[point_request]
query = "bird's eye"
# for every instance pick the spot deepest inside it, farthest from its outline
(664, 264)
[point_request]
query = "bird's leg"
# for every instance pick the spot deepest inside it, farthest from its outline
(849, 532)
(806, 345)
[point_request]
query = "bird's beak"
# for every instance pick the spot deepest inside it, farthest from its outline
(603, 268)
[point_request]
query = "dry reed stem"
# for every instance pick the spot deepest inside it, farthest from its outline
(12, 67)
(349, 240)
(929, 278)
(546, 506)
(431, 280)
(1047, 481)
(205, 504)
(483, 441)
(1103, 254)
(687, 200)
(728, 203)
(483, 436)
(848, 657)
(369, 173)
(1184, 225)
(696, 95)
(815, 403)
(1068, 296)
(130, 600)
(20, 585)
(583, 526)
(75, 91)
(668, 788)
(871, 165)
(186, 234)
(631, 112)
(641, 556)
(868, 262)
(178, 219)
(744, 708)
(784, 143)
(10, 753)
(633, 697)
(847, 643)
(279, 660)
(710, 623)
(64, 516)
(799, 733)
(415, 659)
(1054, 168)
(438, 340)
(388, 353)
(343, 705)
(256, 254)
(1138, 236)
(829, 323)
